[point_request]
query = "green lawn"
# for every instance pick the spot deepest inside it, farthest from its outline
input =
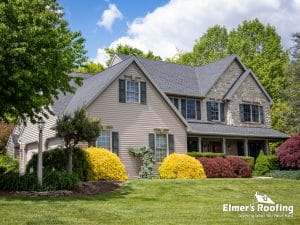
(158, 202)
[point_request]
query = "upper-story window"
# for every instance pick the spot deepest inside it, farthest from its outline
(190, 108)
(215, 111)
(251, 113)
(175, 101)
(132, 91)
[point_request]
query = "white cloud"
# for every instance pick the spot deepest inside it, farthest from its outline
(101, 57)
(177, 24)
(109, 16)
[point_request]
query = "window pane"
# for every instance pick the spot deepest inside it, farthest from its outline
(247, 112)
(214, 106)
(132, 91)
(255, 113)
(191, 109)
(161, 147)
(103, 139)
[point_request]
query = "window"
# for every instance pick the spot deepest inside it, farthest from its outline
(175, 102)
(104, 139)
(191, 109)
(251, 113)
(132, 91)
(161, 147)
(215, 111)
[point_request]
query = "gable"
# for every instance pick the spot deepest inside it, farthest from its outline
(226, 80)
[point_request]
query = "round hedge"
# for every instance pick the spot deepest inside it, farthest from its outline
(105, 165)
(181, 166)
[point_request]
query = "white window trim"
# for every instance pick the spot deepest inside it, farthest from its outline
(139, 91)
(251, 118)
(167, 140)
(219, 111)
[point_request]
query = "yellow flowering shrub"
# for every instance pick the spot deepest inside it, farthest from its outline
(105, 165)
(181, 166)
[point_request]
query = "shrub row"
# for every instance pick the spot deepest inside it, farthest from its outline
(205, 154)
(286, 174)
(52, 180)
(225, 167)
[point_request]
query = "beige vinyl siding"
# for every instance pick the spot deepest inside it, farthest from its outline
(135, 121)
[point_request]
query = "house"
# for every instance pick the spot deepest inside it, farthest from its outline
(218, 107)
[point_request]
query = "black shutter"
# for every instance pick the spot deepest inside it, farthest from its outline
(242, 112)
(171, 143)
(183, 107)
(208, 106)
(143, 93)
(115, 142)
(151, 141)
(176, 103)
(122, 96)
(198, 109)
(222, 111)
(262, 115)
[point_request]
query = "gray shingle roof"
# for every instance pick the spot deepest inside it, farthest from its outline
(186, 80)
(227, 130)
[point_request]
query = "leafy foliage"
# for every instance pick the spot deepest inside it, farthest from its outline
(273, 162)
(105, 165)
(37, 50)
(217, 167)
(240, 167)
(5, 130)
(210, 47)
(261, 164)
(285, 174)
(288, 153)
(52, 180)
(147, 156)
(76, 128)
(8, 164)
(56, 159)
(249, 160)
(181, 166)
(205, 154)
(91, 68)
(128, 50)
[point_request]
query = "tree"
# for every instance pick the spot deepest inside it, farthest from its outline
(260, 49)
(211, 46)
(74, 129)
(128, 50)
(91, 68)
(37, 50)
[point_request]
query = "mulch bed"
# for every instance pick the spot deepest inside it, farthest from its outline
(84, 189)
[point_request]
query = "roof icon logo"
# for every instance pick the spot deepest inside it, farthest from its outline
(263, 198)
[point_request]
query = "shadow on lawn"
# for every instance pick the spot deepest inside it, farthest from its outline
(118, 193)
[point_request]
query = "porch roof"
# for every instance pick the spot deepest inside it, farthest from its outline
(227, 130)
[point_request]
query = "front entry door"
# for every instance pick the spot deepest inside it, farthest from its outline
(192, 144)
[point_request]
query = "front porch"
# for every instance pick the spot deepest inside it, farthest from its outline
(228, 145)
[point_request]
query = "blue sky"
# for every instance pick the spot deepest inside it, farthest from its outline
(169, 26)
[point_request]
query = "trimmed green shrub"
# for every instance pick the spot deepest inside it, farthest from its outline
(57, 159)
(52, 180)
(273, 162)
(8, 164)
(261, 164)
(286, 174)
(181, 166)
(249, 160)
(205, 154)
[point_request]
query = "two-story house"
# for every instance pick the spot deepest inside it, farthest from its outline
(218, 107)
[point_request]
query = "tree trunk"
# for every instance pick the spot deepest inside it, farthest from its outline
(70, 160)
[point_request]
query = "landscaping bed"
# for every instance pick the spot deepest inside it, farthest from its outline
(84, 188)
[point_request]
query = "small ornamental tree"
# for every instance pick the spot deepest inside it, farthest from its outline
(261, 164)
(288, 153)
(74, 129)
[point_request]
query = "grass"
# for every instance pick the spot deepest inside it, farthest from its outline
(157, 202)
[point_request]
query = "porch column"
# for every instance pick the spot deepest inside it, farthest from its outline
(267, 146)
(199, 144)
(224, 145)
(246, 147)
